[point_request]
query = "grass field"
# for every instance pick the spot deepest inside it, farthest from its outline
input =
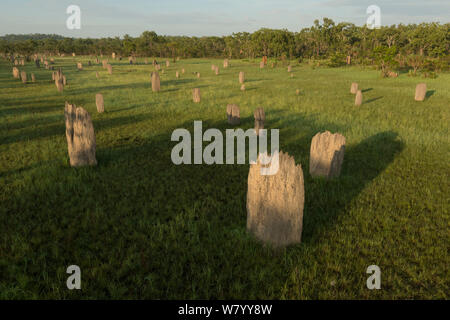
(141, 227)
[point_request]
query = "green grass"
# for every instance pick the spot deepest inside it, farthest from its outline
(141, 227)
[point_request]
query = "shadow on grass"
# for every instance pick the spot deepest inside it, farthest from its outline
(137, 85)
(50, 106)
(33, 122)
(429, 94)
(325, 200)
(58, 128)
(140, 217)
(176, 82)
(255, 80)
(249, 89)
(22, 170)
(133, 194)
(373, 99)
(121, 109)
(170, 90)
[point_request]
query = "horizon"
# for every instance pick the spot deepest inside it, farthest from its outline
(109, 19)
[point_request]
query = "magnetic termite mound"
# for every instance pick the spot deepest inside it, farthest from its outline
(326, 155)
(80, 136)
(358, 98)
(156, 83)
(59, 80)
(233, 114)
(23, 76)
(241, 77)
(16, 73)
(275, 202)
(260, 117)
(99, 103)
(196, 95)
(421, 92)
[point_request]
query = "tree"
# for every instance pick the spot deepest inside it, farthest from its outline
(129, 47)
(323, 40)
(415, 61)
(385, 58)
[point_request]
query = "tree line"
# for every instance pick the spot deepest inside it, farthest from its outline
(323, 40)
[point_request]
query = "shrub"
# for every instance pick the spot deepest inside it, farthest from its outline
(337, 60)
(385, 58)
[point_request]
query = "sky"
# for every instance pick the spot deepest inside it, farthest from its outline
(110, 18)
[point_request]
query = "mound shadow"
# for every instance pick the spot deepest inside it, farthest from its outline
(325, 200)
(256, 80)
(51, 106)
(46, 127)
(145, 169)
(137, 85)
(373, 100)
(429, 94)
(176, 82)
(136, 191)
